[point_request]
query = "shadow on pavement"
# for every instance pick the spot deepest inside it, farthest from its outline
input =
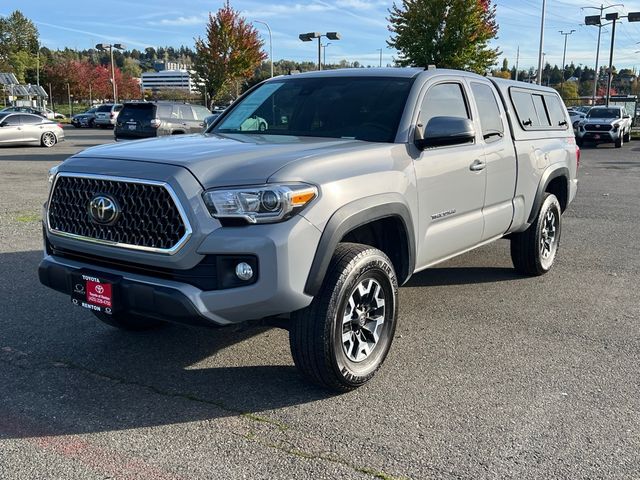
(434, 277)
(63, 372)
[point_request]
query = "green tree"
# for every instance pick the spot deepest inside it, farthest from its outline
(446, 33)
(569, 91)
(229, 54)
(18, 44)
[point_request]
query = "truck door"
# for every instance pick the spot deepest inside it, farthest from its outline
(450, 180)
(500, 158)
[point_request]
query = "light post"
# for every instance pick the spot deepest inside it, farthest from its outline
(540, 66)
(613, 18)
(380, 50)
(596, 20)
(270, 43)
(564, 55)
(103, 47)
(307, 37)
(324, 53)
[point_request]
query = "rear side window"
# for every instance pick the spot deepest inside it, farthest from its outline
(556, 111)
(164, 111)
(490, 119)
(543, 118)
(201, 112)
(138, 112)
(185, 113)
(443, 100)
(30, 119)
(538, 111)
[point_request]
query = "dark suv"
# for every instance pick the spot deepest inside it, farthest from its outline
(154, 119)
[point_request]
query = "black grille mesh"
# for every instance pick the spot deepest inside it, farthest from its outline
(148, 217)
(602, 128)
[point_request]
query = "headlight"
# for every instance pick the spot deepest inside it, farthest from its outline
(53, 171)
(260, 204)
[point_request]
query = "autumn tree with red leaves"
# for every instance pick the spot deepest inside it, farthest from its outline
(231, 52)
(445, 33)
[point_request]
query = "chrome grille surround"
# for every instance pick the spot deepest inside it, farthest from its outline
(128, 232)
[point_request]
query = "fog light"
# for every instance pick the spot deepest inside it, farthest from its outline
(244, 271)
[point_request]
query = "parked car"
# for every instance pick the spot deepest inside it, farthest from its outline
(155, 119)
(576, 116)
(85, 119)
(51, 115)
(33, 111)
(603, 124)
(361, 178)
(106, 115)
(26, 128)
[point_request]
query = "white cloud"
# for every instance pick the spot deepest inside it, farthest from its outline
(181, 21)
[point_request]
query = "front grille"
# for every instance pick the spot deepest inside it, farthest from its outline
(593, 128)
(149, 218)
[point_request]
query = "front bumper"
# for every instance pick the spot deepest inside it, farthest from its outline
(284, 254)
(607, 136)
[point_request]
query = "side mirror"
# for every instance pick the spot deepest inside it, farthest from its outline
(445, 131)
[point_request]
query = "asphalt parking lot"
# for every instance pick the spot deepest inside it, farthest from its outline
(491, 375)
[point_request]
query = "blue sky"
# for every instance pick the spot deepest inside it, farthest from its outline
(362, 23)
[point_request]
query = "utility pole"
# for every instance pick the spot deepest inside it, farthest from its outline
(613, 17)
(539, 76)
(564, 55)
(380, 50)
(517, 61)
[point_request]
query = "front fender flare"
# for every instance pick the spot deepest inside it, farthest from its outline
(354, 215)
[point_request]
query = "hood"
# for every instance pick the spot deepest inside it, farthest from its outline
(217, 160)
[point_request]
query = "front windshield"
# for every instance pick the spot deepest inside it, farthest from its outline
(360, 108)
(603, 113)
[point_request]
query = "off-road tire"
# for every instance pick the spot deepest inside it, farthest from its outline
(130, 322)
(317, 333)
(627, 136)
(528, 248)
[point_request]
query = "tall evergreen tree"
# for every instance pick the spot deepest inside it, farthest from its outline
(446, 33)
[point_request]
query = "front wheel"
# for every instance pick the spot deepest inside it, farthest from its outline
(619, 141)
(126, 321)
(534, 250)
(627, 136)
(343, 337)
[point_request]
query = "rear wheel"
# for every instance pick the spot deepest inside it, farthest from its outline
(343, 337)
(127, 321)
(48, 139)
(534, 250)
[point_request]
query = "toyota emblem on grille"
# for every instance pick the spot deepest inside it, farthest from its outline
(103, 209)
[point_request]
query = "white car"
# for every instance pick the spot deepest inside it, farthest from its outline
(19, 128)
(576, 116)
(51, 115)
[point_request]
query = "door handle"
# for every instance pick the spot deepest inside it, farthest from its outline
(477, 165)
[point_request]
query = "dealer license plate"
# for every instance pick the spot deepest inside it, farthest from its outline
(132, 126)
(93, 292)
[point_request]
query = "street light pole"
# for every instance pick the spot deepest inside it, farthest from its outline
(324, 53)
(270, 43)
(380, 50)
(103, 47)
(307, 37)
(613, 17)
(597, 20)
(539, 76)
(564, 55)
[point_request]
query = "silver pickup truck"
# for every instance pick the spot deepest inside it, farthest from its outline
(605, 125)
(352, 181)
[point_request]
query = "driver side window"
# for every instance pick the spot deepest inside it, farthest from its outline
(443, 100)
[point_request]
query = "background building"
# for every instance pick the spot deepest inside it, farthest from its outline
(169, 80)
